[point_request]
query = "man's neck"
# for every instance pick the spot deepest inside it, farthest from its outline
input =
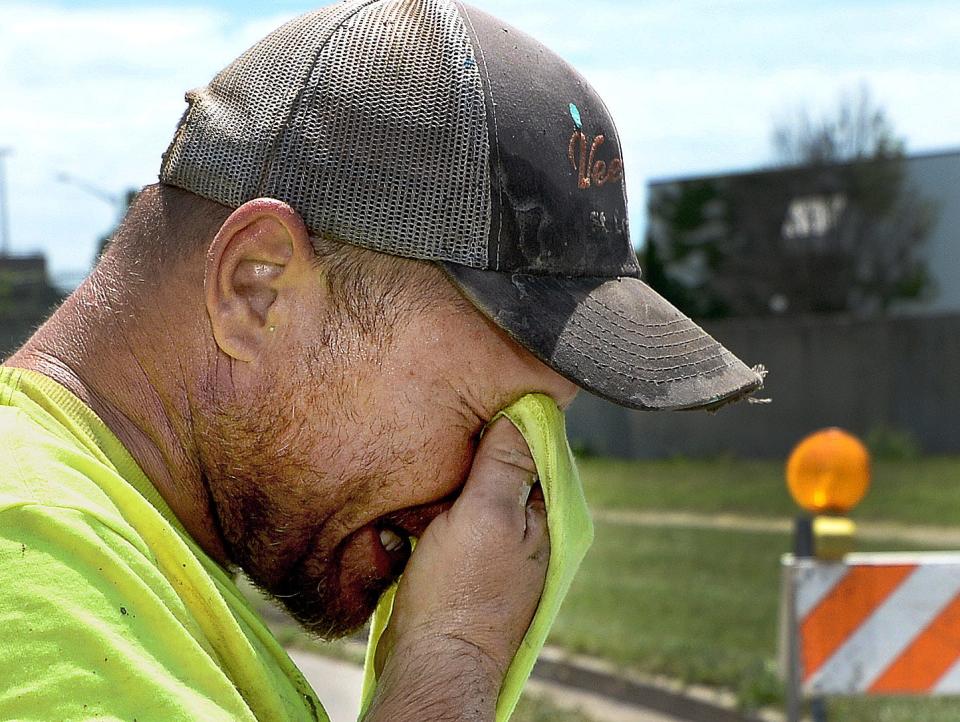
(137, 386)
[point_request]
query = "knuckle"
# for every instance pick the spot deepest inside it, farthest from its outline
(536, 533)
(513, 459)
(507, 445)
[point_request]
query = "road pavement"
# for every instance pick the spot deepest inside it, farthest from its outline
(336, 683)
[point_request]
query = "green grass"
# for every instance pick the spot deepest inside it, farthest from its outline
(700, 606)
(894, 709)
(922, 491)
(697, 605)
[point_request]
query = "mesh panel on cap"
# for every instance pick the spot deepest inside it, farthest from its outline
(222, 145)
(367, 117)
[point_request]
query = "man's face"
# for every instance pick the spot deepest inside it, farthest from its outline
(339, 453)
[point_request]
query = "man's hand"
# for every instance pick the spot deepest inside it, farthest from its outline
(468, 593)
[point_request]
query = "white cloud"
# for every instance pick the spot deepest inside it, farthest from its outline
(694, 86)
(97, 94)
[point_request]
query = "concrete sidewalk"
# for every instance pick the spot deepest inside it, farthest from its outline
(938, 536)
(337, 683)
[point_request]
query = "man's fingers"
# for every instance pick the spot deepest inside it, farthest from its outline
(479, 568)
(503, 468)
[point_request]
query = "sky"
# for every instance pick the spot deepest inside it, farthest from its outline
(91, 91)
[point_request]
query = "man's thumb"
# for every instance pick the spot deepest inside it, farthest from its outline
(503, 468)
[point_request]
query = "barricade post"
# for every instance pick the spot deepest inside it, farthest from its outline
(852, 623)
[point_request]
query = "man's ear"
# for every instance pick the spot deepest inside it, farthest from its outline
(262, 249)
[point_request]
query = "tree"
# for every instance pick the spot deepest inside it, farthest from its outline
(860, 224)
(834, 227)
(856, 130)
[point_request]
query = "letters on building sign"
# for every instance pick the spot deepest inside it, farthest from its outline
(813, 216)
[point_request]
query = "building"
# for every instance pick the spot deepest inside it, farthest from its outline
(26, 298)
(859, 238)
(767, 261)
(937, 176)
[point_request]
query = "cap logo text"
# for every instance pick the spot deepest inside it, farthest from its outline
(590, 171)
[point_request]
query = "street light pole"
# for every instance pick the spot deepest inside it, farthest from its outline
(118, 201)
(4, 212)
(114, 199)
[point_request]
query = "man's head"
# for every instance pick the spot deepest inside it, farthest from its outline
(341, 395)
(428, 129)
(346, 381)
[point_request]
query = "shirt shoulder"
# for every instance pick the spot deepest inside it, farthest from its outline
(41, 467)
(91, 628)
(89, 564)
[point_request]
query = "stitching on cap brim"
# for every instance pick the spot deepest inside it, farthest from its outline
(616, 338)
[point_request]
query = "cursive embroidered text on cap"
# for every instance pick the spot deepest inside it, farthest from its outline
(590, 170)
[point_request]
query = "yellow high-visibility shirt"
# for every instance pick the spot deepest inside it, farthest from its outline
(108, 609)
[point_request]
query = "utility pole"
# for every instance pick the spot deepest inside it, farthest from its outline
(119, 201)
(114, 199)
(4, 212)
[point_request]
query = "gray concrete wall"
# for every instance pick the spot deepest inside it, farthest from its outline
(903, 374)
(936, 178)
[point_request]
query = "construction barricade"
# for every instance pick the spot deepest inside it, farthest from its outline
(881, 623)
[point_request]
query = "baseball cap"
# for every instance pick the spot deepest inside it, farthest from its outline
(431, 130)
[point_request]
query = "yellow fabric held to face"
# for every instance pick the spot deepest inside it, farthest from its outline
(541, 423)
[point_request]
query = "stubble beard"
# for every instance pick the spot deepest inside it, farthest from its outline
(263, 496)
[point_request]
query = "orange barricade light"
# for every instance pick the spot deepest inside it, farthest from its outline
(829, 472)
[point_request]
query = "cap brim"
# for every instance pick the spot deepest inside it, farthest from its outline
(615, 337)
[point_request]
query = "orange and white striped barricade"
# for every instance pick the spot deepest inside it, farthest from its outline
(872, 624)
